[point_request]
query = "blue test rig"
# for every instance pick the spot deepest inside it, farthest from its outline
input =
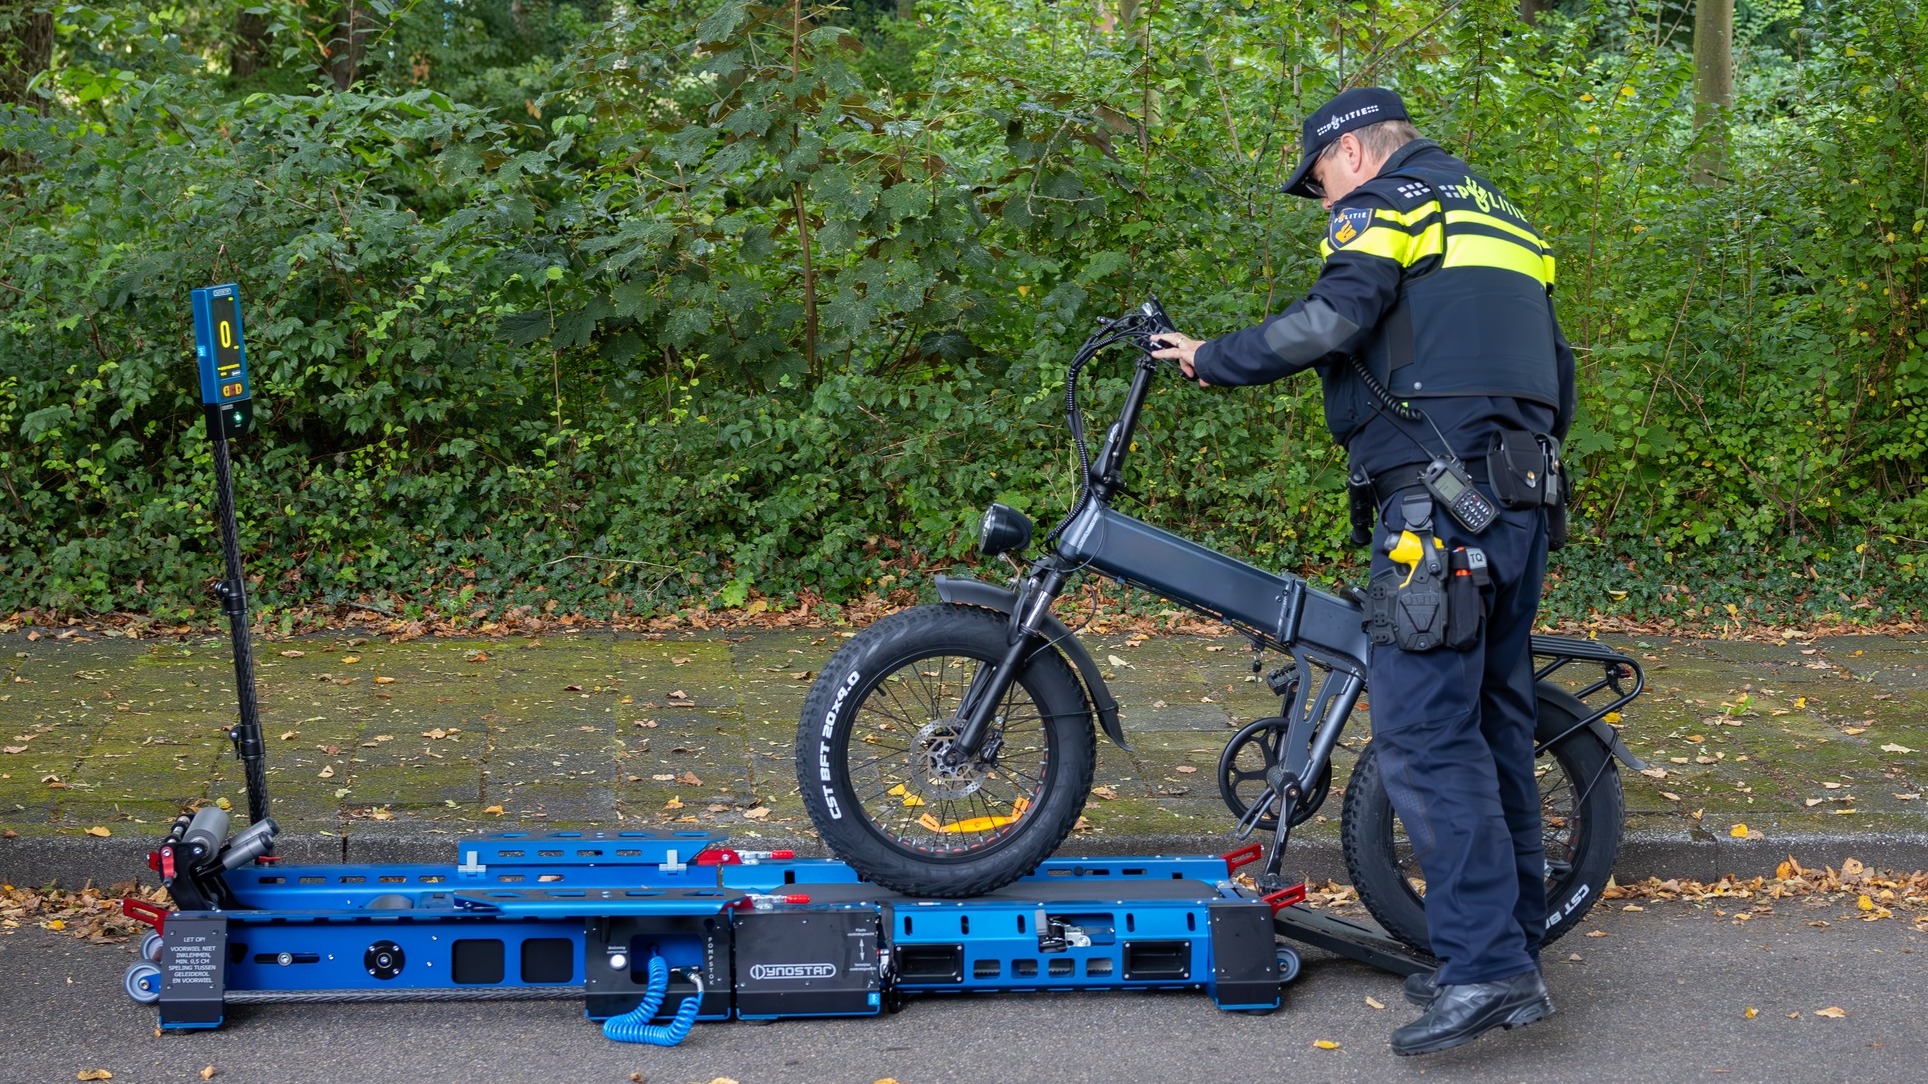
(657, 930)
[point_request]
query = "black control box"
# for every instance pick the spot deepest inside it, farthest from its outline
(810, 962)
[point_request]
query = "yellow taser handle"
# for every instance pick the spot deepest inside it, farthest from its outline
(1409, 551)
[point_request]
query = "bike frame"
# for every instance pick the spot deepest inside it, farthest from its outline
(1323, 634)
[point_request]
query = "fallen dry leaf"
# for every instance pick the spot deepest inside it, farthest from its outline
(1596, 933)
(384, 681)
(1325, 1044)
(14, 749)
(673, 803)
(689, 779)
(351, 659)
(291, 653)
(761, 812)
(1105, 792)
(1891, 747)
(1832, 1012)
(97, 830)
(93, 1074)
(1375, 1003)
(1751, 1013)
(1186, 768)
(207, 1073)
(326, 773)
(495, 809)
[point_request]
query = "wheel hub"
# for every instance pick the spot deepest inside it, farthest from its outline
(935, 776)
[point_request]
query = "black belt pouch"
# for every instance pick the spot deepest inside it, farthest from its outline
(1517, 466)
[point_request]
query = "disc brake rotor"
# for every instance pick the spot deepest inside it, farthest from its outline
(935, 780)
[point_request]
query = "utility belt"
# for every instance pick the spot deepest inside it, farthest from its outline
(1431, 597)
(1523, 470)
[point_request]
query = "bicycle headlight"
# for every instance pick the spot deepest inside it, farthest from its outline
(1004, 530)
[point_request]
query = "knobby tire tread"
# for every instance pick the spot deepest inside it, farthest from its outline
(964, 630)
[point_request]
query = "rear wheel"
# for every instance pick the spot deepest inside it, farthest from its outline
(885, 707)
(1581, 812)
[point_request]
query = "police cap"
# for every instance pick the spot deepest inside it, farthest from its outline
(1350, 111)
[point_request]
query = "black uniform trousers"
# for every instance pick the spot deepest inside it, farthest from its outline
(1453, 731)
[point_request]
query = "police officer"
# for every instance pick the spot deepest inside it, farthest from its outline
(1432, 329)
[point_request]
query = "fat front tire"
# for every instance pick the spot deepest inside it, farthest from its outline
(882, 708)
(1582, 813)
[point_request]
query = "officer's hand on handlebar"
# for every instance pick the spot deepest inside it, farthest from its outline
(1180, 348)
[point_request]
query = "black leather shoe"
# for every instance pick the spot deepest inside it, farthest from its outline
(1462, 1013)
(1421, 988)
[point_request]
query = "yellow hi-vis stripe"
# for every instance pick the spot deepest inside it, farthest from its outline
(1474, 250)
(1497, 223)
(1397, 245)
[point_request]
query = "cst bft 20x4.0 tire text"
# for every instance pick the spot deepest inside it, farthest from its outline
(882, 709)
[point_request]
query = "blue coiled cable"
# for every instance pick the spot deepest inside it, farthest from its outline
(635, 1027)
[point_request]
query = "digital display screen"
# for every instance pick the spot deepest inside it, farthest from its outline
(1448, 487)
(226, 314)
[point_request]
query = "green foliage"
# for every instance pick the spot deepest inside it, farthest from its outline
(615, 307)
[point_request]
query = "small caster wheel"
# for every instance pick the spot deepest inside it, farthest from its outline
(143, 983)
(151, 947)
(1288, 965)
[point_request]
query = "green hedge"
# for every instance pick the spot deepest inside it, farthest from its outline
(593, 366)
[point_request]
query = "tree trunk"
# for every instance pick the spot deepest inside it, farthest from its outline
(349, 30)
(26, 48)
(1531, 10)
(1713, 85)
(249, 53)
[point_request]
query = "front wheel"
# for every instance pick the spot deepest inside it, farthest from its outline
(868, 765)
(1581, 814)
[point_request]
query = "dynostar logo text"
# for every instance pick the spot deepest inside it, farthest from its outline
(765, 972)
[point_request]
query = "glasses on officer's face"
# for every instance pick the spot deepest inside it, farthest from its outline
(1312, 184)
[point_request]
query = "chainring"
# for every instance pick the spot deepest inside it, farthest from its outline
(1246, 764)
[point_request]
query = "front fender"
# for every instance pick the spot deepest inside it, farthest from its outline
(967, 592)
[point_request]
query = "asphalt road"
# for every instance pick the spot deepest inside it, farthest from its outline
(1662, 996)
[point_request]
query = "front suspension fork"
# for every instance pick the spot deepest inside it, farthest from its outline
(988, 687)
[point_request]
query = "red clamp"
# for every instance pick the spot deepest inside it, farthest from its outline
(727, 856)
(145, 913)
(1286, 897)
(1244, 856)
(165, 863)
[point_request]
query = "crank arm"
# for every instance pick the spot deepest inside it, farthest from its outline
(1250, 821)
(1288, 805)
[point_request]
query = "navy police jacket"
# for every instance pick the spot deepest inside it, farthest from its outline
(1440, 286)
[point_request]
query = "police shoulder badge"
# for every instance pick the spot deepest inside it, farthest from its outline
(1347, 224)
